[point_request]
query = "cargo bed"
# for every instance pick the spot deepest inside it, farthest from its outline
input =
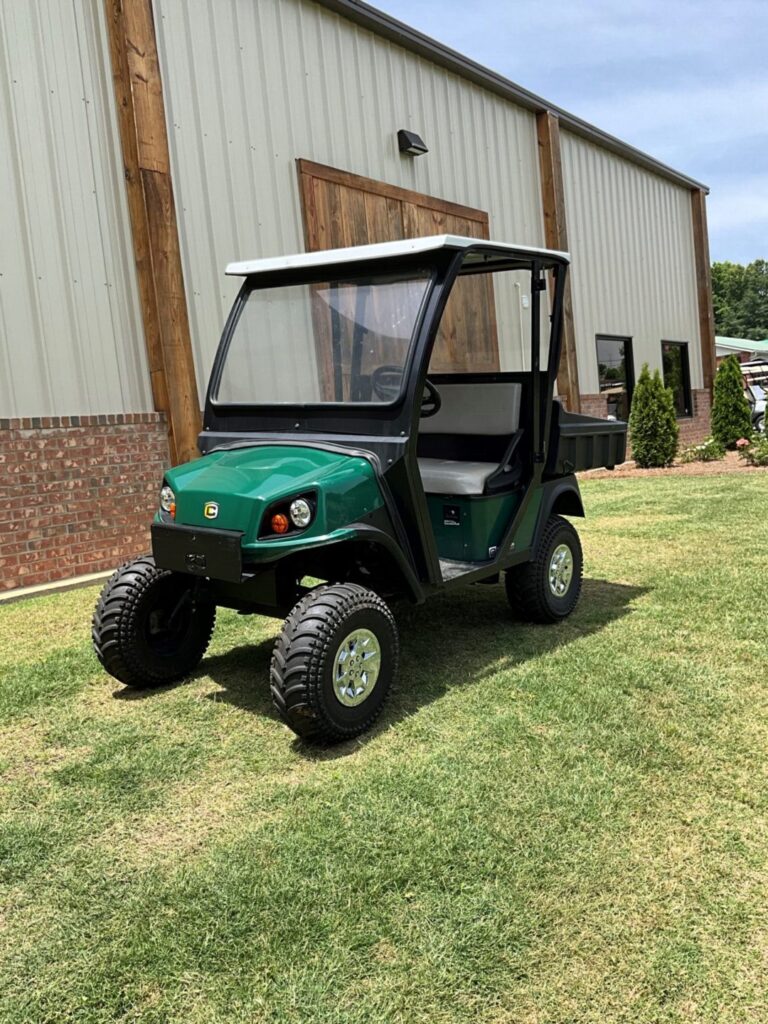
(579, 442)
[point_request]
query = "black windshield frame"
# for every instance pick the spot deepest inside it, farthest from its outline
(422, 274)
(349, 418)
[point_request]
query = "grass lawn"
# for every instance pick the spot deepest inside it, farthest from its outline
(551, 824)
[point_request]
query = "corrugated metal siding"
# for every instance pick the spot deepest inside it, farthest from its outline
(631, 238)
(71, 339)
(250, 86)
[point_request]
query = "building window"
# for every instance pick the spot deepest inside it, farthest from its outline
(616, 374)
(677, 375)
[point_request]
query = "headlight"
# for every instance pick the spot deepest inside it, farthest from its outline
(168, 500)
(301, 513)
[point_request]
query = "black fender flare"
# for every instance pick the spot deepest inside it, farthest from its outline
(380, 538)
(374, 535)
(561, 497)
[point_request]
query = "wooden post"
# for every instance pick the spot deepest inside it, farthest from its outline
(146, 159)
(556, 237)
(704, 286)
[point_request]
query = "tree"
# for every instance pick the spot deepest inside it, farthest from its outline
(653, 426)
(731, 416)
(754, 304)
(740, 299)
(727, 293)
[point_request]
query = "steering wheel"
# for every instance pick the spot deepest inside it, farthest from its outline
(431, 401)
(386, 381)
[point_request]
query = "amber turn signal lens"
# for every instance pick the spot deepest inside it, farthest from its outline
(172, 510)
(280, 523)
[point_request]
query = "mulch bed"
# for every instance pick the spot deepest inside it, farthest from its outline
(730, 464)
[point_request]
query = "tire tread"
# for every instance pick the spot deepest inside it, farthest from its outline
(114, 623)
(300, 656)
(527, 585)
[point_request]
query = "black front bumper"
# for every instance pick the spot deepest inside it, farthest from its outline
(199, 551)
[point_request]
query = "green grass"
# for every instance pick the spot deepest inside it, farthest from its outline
(551, 824)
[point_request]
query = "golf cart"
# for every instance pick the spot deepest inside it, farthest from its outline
(755, 374)
(379, 425)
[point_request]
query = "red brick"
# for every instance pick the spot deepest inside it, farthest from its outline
(77, 499)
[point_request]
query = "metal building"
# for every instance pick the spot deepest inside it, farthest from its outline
(144, 145)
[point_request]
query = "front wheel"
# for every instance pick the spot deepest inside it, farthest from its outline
(334, 663)
(151, 626)
(547, 588)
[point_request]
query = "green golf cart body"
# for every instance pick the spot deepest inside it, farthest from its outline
(355, 453)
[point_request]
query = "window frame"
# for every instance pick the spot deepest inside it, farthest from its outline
(685, 366)
(629, 364)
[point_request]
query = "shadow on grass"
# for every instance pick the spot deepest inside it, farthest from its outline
(455, 639)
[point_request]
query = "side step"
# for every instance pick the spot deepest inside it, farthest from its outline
(451, 568)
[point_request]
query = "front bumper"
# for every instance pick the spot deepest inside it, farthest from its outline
(199, 551)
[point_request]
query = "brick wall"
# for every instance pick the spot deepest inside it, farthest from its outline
(697, 427)
(594, 405)
(77, 493)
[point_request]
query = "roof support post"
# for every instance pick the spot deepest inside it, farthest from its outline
(146, 159)
(704, 286)
(556, 237)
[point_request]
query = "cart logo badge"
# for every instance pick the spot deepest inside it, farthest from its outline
(210, 510)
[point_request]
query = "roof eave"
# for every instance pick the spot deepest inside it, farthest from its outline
(742, 344)
(396, 31)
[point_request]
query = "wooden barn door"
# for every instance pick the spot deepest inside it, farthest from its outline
(342, 209)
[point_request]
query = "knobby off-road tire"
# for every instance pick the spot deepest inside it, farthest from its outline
(151, 626)
(547, 589)
(322, 679)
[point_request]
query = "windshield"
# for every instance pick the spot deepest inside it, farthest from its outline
(335, 341)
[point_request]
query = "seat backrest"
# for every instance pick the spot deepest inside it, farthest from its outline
(483, 409)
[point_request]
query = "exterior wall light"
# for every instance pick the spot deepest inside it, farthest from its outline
(411, 143)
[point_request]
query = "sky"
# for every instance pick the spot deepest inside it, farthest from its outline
(683, 80)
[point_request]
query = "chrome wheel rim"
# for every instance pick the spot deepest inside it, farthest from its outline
(356, 667)
(560, 570)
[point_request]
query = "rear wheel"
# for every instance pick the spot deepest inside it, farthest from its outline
(547, 588)
(151, 626)
(334, 663)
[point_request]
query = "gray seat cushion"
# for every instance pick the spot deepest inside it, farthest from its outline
(482, 409)
(445, 476)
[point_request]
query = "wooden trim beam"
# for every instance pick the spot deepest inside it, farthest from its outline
(382, 188)
(146, 158)
(704, 286)
(556, 237)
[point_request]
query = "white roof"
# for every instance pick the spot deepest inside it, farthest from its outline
(380, 250)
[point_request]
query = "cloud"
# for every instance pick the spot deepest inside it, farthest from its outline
(675, 119)
(743, 203)
(516, 38)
